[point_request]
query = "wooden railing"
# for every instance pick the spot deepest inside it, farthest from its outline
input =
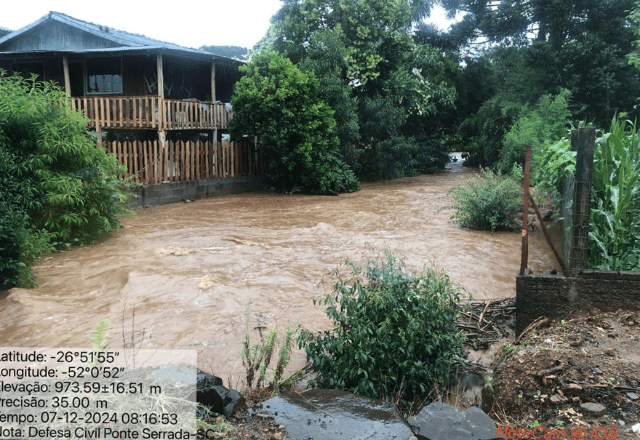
(148, 162)
(152, 112)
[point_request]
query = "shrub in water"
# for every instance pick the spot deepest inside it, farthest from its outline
(394, 333)
(489, 201)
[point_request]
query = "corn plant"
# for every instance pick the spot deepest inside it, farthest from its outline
(615, 200)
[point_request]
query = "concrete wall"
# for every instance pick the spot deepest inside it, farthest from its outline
(163, 193)
(561, 298)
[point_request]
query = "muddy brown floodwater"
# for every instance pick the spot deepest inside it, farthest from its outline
(189, 269)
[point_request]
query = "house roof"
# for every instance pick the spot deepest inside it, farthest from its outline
(4, 31)
(119, 40)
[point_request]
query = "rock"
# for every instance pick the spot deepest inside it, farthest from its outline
(205, 379)
(556, 398)
(472, 386)
(595, 409)
(440, 421)
(633, 396)
(221, 399)
(334, 414)
(572, 389)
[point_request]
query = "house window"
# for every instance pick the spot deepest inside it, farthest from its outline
(104, 75)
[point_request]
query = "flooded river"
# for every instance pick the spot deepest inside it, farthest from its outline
(189, 269)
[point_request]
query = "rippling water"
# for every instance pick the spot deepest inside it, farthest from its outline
(189, 269)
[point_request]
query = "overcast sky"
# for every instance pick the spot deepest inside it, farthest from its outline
(186, 23)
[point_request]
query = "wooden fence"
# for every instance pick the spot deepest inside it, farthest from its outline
(148, 162)
(152, 112)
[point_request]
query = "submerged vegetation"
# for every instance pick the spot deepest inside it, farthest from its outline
(394, 334)
(257, 357)
(489, 201)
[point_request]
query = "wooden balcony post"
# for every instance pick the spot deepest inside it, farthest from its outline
(213, 82)
(67, 80)
(161, 133)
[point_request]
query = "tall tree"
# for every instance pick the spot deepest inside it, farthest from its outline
(375, 75)
(541, 47)
(283, 107)
(554, 21)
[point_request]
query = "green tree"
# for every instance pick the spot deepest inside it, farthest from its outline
(381, 84)
(537, 127)
(540, 48)
(284, 108)
(58, 189)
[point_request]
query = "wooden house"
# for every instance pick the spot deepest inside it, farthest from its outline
(133, 89)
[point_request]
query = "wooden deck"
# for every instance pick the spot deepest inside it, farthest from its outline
(152, 112)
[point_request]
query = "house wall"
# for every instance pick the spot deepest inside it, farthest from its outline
(52, 66)
(187, 78)
(134, 69)
(183, 78)
(563, 297)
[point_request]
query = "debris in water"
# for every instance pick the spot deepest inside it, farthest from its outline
(175, 251)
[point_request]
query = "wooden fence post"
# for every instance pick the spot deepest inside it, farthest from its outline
(525, 214)
(583, 141)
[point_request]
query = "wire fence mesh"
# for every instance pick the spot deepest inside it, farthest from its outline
(567, 215)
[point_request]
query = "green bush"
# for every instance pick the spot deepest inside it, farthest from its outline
(489, 201)
(296, 131)
(394, 333)
(58, 189)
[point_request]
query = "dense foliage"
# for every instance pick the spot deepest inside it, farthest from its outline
(614, 224)
(394, 334)
(58, 189)
(384, 87)
(283, 107)
(535, 127)
(540, 48)
(489, 201)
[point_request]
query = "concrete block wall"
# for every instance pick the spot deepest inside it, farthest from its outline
(172, 192)
(561, 298)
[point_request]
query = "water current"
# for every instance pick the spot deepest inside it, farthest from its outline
(181, 275)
